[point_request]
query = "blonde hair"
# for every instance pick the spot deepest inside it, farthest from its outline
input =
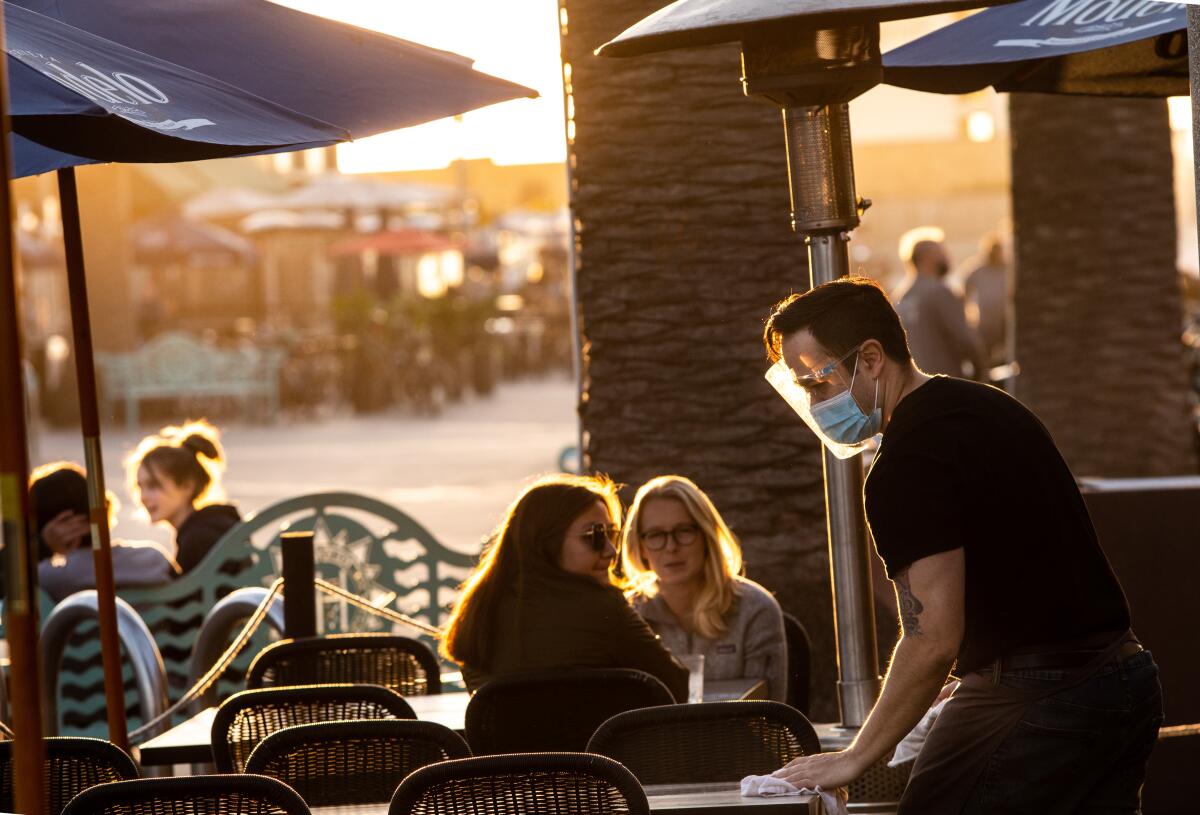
(188, 454)
(722, 553)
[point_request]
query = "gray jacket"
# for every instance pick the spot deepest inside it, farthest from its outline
(935, 319)
(753, 646)
(135, 564)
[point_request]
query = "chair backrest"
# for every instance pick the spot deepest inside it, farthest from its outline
(705, 743)
(355, 762)
(400, 663)
(799, 650)
(246, 718)
(71, 766)
(552, 711)
(523, 784)
(190, 795)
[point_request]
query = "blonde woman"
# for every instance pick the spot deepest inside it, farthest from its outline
(683, 570)
(176, 476)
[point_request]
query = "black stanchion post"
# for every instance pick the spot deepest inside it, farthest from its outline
(299, 591)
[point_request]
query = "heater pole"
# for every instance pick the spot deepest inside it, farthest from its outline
(824, 210)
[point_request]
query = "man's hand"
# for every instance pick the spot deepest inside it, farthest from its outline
(63, 533)
(947, 691)
(825, 770)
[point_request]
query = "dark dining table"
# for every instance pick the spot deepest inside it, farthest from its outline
(674, 799)
(190, 742)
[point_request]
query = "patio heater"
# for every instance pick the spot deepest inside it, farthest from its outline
(810, 58)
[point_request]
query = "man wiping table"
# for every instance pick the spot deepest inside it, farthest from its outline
(997, 571)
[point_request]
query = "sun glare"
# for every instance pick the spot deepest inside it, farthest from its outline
(517, 41)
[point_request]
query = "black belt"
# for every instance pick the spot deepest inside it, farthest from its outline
(1060, 659)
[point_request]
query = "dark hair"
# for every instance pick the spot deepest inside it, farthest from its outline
(841, 315)
(60, 489)
(181, 463)
(529, 539)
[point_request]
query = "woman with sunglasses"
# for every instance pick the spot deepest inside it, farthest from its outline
(683, 569)
(542, 596)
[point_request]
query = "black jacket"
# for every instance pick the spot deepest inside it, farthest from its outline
(563, 621)
(201, 530)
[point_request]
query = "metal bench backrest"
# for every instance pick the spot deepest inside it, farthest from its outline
(362, 544)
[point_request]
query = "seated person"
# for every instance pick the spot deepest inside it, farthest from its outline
(683, 572)
(542, 596)
(58, 495)
(176, 476)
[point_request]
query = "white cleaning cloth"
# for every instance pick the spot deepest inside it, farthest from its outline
(766, 786)
(911, 744)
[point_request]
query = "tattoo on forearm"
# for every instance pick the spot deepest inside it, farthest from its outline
(910, 607)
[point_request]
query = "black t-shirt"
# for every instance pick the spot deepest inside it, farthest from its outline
(966, 465)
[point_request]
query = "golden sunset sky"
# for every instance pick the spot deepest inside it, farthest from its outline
(513, 39)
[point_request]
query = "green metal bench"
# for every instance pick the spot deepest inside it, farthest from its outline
(178, 366)
(361, 544)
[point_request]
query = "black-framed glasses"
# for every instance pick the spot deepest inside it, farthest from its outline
(684, 535)
(600, 536)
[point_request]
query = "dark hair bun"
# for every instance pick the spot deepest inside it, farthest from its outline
(201, 445)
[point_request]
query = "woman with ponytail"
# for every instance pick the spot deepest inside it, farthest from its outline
(176, 476)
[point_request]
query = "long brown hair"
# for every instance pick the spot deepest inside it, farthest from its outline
(529, 538)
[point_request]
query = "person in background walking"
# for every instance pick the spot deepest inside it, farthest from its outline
(989, 294)
(933, 315)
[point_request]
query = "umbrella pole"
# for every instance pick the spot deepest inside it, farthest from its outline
(85, 373)
(21, 606)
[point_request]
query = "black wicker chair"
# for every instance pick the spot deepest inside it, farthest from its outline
(554, 711)
(246, 718)
(72, 765)
(190, 795)
(400, 663)
(363, 762)
(706, 743)
(524, 784)
(799, 650)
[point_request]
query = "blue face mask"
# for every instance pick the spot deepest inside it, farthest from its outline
(843, 421)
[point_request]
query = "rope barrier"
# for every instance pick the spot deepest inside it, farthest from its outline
(379, 611)
(252, 623)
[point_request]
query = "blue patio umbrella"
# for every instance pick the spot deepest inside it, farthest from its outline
(348, 80)
(80, 94)
(179, 80)
(1092, 47)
